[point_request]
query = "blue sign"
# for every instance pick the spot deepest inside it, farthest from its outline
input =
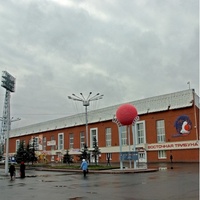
(133, 155)
(183, 126)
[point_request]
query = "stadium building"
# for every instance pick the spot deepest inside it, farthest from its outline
(167, 125)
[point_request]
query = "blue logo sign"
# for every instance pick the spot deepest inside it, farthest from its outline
(183, 126)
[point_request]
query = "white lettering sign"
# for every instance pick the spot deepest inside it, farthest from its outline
(174, 145)
(51, 143)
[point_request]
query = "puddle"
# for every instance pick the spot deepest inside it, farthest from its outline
(162, 168)
(152, 177)
(21, 184)
(48, 181)
(60, 186)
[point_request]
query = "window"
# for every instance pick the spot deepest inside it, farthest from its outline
(141, 155)
(40, 142)
(108, 137)
(71, 140)
(52, 147)
(162, 154)
(24, 143)
(93, 136)
(82, 140)
(30, 142)
(17, 144)
(140, 133)
(160, 126)
(60, 141)
(35, 143)
(124, 136)
(44, 143)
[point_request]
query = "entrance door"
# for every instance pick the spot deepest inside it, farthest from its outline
(142, 157)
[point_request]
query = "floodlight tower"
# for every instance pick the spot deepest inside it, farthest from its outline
(8, 82)
(86, 103)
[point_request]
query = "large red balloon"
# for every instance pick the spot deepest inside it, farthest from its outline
(126, 114)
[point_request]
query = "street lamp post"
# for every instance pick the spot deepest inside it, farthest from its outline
(86, 103)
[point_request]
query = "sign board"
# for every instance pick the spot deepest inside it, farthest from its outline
(51, 143)
(194, 144)
(133, 155)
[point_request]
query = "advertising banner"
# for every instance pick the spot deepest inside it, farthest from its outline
(133, 155)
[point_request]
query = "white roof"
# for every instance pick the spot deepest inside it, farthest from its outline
(149, 105)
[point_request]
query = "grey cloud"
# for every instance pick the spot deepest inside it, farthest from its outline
(125, 51)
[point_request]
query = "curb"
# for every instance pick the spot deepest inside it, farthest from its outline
(114, 171)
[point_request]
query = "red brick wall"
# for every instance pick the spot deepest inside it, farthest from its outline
(151, 136)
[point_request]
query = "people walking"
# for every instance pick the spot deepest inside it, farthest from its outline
(22, 170)
(84, 167)
(12, 171)
(171, 158)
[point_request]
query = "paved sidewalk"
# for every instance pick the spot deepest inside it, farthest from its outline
(179, 182)
(125, 170)
(110, 171)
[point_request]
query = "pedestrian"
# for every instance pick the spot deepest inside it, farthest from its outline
(84, 167)
(22, 170)
(108, 161)
(12, 171)
(171, 158)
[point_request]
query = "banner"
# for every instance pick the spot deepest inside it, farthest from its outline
(133, 155)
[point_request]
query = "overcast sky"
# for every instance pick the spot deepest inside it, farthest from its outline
(126, 50)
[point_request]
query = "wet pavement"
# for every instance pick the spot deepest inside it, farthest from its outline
(181, 182)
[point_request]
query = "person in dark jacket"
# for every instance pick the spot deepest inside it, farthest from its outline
(22, 170)
(171, 158)
(12, 171)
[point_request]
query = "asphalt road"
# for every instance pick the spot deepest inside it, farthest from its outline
(179, 183)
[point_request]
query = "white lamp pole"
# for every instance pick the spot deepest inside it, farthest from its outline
(86, 103)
